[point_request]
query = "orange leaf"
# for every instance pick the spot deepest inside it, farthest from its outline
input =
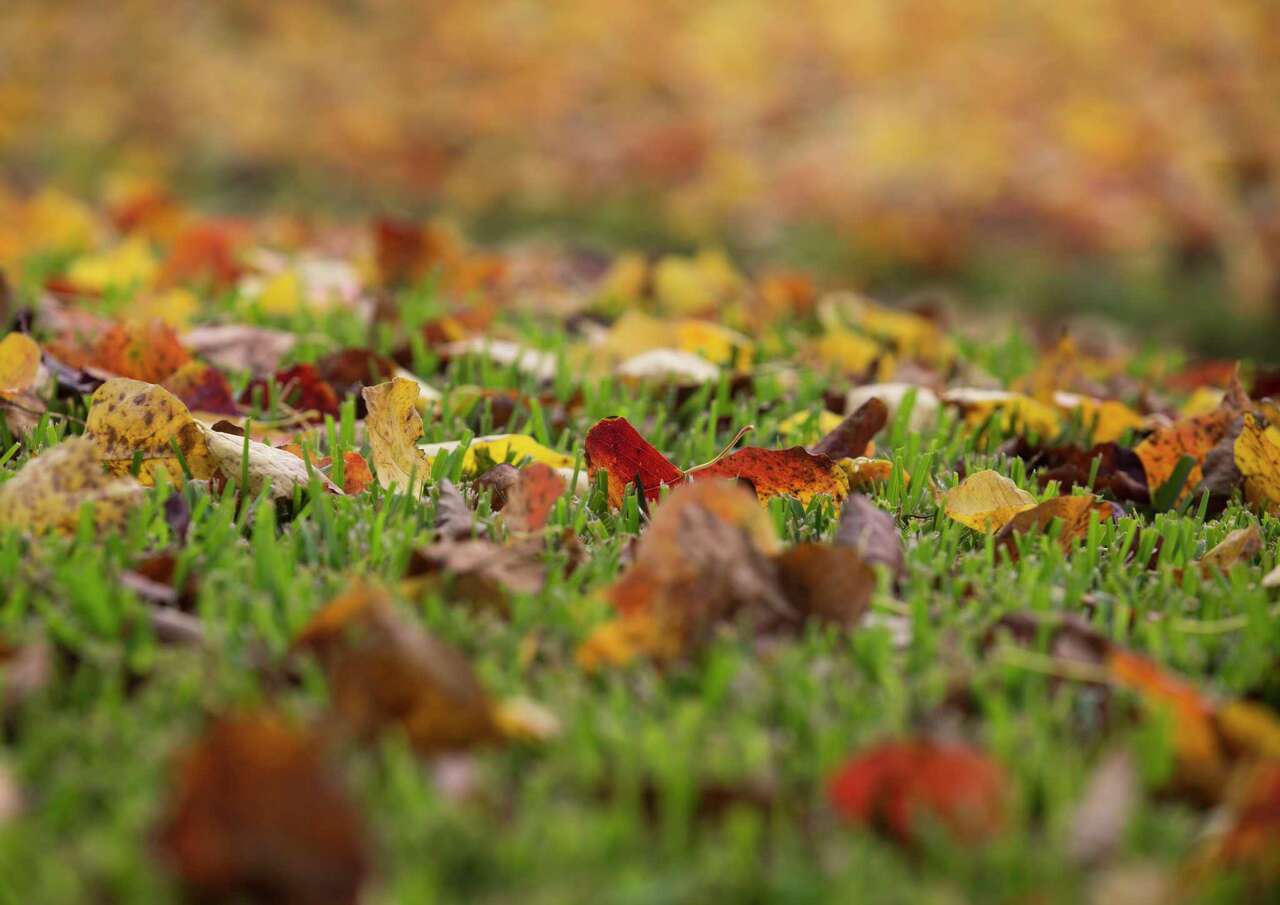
(1194, 437)
(255, 807)
(896, 785)
(792, 472)
(530, 500)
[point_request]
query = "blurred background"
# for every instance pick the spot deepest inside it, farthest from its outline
(1077, 157)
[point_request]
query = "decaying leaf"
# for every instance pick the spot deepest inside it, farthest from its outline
(255, 815)
(1194, 437)
(899, 787)
(385, 672)
(130, 420)
(986, 501)
(872, 532)
(240, 347)
(1074, 512)
(395, 427)
(1257, 455)
(49, 491)
(202, 388)
(149, 351)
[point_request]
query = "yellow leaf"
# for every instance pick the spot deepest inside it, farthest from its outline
(49, 491)
(848, 352)
(395, 427)
(130, 263)
(516, 448)
(175, 308)
(1201, 402)
(985, 501)
(1258, 458)
(1109, 418)
(130, 418)
(691, 285)
(1015, 411)
(1243, 543)
(799, 426)
(282, 293)
(19, 362)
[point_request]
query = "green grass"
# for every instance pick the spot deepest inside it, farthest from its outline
(608, 811)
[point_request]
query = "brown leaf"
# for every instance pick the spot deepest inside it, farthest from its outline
(385, 671)
(255, 815)
(704, 560)
(829, 584)
(872, 532)
(499, 480)
(454, 520)
(239, 347)
(1074, 512)
(1240, 545)
(477, 571)
(849, 440)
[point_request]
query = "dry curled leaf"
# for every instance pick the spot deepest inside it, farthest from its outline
(454, 519)
(48, 492)
(850, 438)
(897, 787)
(255, 815)
(395, 427)
(986, 501)
(202, 388)
(827, 584)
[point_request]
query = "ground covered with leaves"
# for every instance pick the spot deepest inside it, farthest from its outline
(359, 563)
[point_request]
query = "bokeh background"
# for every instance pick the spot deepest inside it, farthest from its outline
(1116, 156)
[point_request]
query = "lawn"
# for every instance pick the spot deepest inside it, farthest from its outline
(693, 766)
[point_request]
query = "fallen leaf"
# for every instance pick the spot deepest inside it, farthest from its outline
(1013, 411)
(395, 427)
(896, 787)
(300, 388)
(497, 448)
(386, 672)
(872, 532)
(1118, 470)
(498, 480)
(531, 499)
(1240, 545)
(705, 559)
(1161, 452)
(130, 419)
(1074, 512)
(48, 492)
(1257, 455)
(202, 388)
(149, 351)
(1249, 835)
(827, 584)
(614, 446)
(850, 439)
(239, 347)
(793, 472)
(986, 501)
(21, 372)
(254, 814)
(454, 519)
(668, 366)
(477, 571)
